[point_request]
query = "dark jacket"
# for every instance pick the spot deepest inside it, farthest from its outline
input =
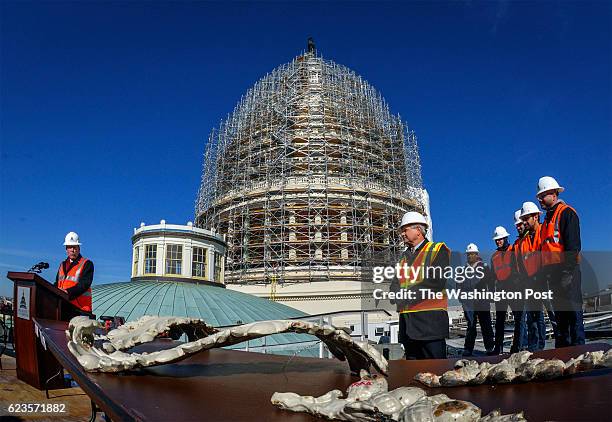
(424, 325)
(475, 282)
(85, 279)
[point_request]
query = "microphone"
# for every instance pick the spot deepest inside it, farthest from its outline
(37, 268)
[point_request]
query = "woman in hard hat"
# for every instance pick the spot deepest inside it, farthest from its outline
(423, 323)
(560, 246)
(75, 274)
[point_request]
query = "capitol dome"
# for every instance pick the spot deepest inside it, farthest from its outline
(308, 176)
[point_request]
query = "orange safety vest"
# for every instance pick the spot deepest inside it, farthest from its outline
(415, 274)
(529, 255)
(515, 249)
(552, 248)
(66, 281)
(502, 263)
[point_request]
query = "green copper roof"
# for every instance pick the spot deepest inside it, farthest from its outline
(215, 305)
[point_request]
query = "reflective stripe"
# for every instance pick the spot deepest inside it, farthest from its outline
(418, 263)
(552, 245)
(422, 260)
(80, 268)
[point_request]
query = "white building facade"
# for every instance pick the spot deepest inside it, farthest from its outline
(178, 253)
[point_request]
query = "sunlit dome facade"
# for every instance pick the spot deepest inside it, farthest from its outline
(309, 176)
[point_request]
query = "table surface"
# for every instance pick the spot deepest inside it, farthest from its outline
(233, 385)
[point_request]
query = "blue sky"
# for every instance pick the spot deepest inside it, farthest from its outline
(106, 107)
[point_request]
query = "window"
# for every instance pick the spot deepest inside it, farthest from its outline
(135, 266)
(174, 259)
(218, 263)
(379, 331)
(150, 259)
(198, 265)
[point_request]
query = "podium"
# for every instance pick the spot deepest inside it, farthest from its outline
(35, 297)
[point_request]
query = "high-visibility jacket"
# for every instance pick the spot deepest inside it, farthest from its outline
(66, 281)
(528, 256)
(502, 263)
(552, 245)
(415, 275)
(515, 249)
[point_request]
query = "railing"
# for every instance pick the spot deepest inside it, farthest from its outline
(6, 334)
(590, 320)
(310, 181)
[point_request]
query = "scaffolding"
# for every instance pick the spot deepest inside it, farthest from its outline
(308, 176)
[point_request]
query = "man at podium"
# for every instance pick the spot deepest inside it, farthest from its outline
(75, 274)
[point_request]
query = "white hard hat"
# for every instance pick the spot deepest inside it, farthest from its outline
(412, 217)
(72, 239)
(548, 183)
(529, 208)
(500, 232)
(471, 248)
(517, 218)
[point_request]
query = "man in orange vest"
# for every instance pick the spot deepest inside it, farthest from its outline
(503, 263)
(529, 257)
(560, 246)
(423, 321)
(521, 232)
(75, 274)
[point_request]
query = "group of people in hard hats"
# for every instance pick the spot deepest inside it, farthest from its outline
(545, 257)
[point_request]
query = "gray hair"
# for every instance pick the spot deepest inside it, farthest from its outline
(422, 229)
